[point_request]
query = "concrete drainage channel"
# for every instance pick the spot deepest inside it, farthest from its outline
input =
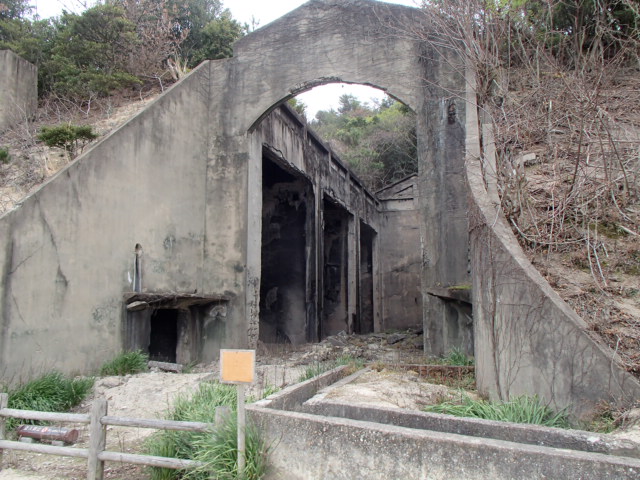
(314, 438)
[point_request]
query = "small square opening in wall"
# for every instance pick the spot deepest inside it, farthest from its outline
(163, 337)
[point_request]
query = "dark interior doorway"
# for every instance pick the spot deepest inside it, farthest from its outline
(364, 323)
(335, 308)
(163, 337)
(287, 237)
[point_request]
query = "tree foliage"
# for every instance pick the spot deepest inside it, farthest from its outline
(378, 142)
(13, 9)
(72, 138)
(117, 43)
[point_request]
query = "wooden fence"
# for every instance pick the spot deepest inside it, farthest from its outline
(98, 420)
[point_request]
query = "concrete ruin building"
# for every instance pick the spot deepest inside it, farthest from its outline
(216, 218)
(18, 84)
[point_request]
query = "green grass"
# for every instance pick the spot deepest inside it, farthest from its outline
(522, 409)
(4, 155)
(457, 357)
(318, 368)
(219, 454)
(52, 392)
(217, 449)
(126, 363)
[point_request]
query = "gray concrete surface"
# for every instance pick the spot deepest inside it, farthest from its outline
(401, 264)
(315, 437)
(18, 89)
(312, 447)
(510, 432)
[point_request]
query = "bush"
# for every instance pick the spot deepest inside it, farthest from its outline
(522, 409)
(126, 363)
(70, 137)
(217, 450)
(52, 392)
(4, 155)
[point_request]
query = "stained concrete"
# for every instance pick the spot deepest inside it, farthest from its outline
(182, 182)
(319, 439)
(18, 89)
(401, 264)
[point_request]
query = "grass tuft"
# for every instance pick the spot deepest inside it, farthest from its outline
(126, 363)
(218, 449)
(457, 357)
(219, 454)
(52, 392)
(524, 409)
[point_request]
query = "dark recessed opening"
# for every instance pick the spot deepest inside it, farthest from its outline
(287, 230)
(163, 338)
(365, 300)
(335, 309)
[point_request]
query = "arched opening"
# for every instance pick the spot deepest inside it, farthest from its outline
(322, 227)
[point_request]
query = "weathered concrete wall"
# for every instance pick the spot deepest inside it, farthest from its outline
(401, 262)
(335, 449)
(366, 42)
(68, 249)
(314, 437)
(442, 186)
(18, 89)
(527, 339)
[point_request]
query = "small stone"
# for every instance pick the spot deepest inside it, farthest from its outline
(395, 338)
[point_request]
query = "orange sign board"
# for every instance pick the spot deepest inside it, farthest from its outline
(237, 366)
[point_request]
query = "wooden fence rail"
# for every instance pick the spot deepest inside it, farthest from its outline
(98, 421)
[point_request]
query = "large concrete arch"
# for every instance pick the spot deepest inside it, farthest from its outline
(371, 43)
(181, 182)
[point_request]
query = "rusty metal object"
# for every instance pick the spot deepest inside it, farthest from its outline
(66, 435)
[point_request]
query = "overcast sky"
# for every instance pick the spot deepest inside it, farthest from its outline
(246, 11)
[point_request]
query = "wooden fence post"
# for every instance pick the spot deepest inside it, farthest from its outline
(97, 440)
(4, 402)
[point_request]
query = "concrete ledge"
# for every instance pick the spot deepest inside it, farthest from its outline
(307, 446)
(511, 432)
(292, 397)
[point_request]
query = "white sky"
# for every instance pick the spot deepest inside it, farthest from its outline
(245, 11)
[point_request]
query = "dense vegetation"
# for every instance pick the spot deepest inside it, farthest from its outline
(378, 142)
(117, 43)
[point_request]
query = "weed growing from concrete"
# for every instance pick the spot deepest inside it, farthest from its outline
(524, 409)
(217, 450)
(126, 363)
(52, 392)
